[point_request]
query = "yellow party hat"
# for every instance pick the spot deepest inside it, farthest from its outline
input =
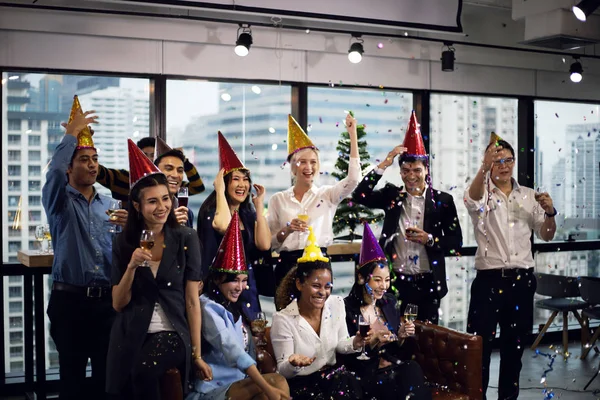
(84, 138)
(494, 138)
(297, 139)
(312, 252)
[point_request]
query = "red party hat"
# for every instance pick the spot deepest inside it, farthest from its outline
(369, 249)
(161, 147)
(228, 160)
(140, 166)
(230, 256)
(413, 141)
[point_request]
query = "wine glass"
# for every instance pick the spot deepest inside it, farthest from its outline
(39, 235)
(410, 312)
(113, 205)
(363, 328)
(146, 243)
(182, 197)
(258, 327)
(48, 237)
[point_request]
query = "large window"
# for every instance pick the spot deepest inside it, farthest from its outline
(460, 132)
(34, 105)
(253, 118)
(567, 155)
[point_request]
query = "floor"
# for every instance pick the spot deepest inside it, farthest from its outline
(566, 379)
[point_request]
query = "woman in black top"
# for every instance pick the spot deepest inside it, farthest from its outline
(233, 192)
(389, 373)
(158, 322)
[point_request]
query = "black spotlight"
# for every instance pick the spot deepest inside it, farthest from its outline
(244, 41)
(585, 8)
(356, 49)
(448, 58)
(576, 71)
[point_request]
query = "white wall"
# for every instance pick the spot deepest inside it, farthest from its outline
(39, 39)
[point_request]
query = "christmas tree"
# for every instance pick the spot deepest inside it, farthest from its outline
(350, 215)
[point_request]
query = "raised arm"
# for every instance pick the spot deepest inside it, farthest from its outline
(222, 216)
(346, 186)
(477, 188)
(194, 183)
(262, 233)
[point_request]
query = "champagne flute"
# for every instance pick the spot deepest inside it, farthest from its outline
(48, 237)
(39, 235)
(183, 197)
(410, 312)
(258, 327)
(146, 243)
(363, 328)
(113, 205)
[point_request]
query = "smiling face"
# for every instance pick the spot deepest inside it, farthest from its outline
(233, 289)
(502, 169)
(316, 289)
(238, 187)
(83, 168)
(413, 175)
(378, 281)
(172, 167)
(155, 204)
(305, 166)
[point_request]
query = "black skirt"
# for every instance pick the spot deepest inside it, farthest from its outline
(329, 383)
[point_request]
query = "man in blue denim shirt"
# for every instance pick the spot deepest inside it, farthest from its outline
(80, 307)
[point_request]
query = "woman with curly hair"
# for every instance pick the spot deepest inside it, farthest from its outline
(310, 329)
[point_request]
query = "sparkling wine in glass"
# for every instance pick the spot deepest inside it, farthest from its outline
(40, 236)
(147, 243)
(48, 238)
(363, 328)
(259, 326)
(113, 206)
(410, 312)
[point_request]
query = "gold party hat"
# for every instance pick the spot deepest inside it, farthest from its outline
(312, 252)
(297, 139)
(84, 138)
(494, 138)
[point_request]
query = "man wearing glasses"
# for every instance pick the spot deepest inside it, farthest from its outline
(503, 215)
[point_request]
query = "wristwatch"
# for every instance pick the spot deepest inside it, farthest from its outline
(430, 241)
(551, 215)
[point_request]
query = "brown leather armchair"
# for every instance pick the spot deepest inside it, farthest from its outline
(451, 360)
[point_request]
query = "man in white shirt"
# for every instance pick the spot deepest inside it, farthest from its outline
(503, 215)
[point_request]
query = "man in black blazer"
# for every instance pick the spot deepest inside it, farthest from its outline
(421, 226)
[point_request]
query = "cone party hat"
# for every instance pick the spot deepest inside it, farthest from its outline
(228, 160)
(312, 252)
(494, 138)
(140, 165)
(297, 139)
(161, 147)
(413, 141)
(369, 249)
(84, 138)
(230, 256)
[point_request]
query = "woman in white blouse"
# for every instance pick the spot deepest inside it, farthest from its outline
(309, 330)
(292, 210)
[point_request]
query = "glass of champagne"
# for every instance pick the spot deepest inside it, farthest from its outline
(363, 328)
(259, 326)
(48, 237)
(147, 243)
(39, 235)
(304, 217)
(113, 206)
(183, 197)
(410, 312)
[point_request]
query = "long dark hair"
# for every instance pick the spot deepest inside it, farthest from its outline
(287, 291)
(211, 289)
(211, 200)
(135, 221)
(357, 293)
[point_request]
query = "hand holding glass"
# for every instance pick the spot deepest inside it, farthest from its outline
(147, 243)
(363, 329)
(113, 205)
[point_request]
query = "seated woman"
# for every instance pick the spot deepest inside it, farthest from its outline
(228, 344)
(310, 329)
(232, 192)
(155, 290)
(388, 373)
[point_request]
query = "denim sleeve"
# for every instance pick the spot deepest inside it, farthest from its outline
(54, 192)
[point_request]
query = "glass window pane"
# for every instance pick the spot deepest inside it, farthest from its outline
(253, 118)
(567, 154)
(454, 307)
(460, 132)
(34, 105)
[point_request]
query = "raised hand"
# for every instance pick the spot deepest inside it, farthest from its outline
(389, 160)
(79, 122)
(219, 182)
(491, 155)
(259, 198)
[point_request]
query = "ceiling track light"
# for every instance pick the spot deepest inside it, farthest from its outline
(448, 58)
(576, 71)
(585, 8)
(356, 49)
(244, 40)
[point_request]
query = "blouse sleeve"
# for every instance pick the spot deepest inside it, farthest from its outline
(345, 342)
(346, 186)
(283, 345)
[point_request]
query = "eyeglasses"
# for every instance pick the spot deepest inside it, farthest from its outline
(503, 161)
